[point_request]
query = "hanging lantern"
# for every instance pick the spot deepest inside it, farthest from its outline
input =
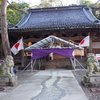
(29, 43)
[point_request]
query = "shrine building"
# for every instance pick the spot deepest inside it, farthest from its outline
(70, 23)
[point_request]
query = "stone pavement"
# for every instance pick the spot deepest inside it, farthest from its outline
(47, 85)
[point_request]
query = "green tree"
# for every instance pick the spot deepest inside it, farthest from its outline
(49, 3)
(84, 2)
(0, 1)
(15, 12)
(96, 10)
(56, 2)
(4, 35)
(94, 6)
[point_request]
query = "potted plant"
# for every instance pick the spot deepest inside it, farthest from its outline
(69, 67)
(40, 67)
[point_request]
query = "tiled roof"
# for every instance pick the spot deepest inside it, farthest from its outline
(58, 18)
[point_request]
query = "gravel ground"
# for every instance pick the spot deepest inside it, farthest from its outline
(90, 95)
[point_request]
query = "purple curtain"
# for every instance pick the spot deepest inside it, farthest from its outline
(39, 53)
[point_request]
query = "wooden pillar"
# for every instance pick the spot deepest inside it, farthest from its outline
(90, 47)
(22, 58)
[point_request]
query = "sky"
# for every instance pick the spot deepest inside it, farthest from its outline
(37, 2)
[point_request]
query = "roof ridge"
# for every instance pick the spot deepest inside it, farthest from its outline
(57, 8)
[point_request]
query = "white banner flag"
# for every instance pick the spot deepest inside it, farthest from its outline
(17, 47)
(85, 42)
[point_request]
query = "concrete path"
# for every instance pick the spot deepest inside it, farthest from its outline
(47, 85)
